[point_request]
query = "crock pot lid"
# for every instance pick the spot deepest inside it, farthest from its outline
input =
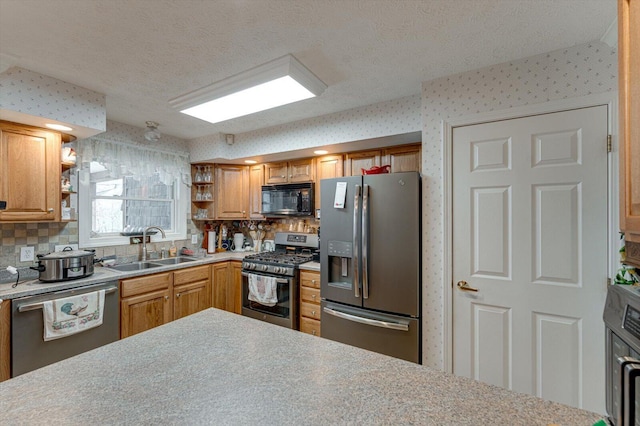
(67, 254)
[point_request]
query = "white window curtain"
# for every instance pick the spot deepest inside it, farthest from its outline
(125, 161)
(122, 159)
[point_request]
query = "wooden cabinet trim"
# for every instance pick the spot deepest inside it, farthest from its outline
(5, 340)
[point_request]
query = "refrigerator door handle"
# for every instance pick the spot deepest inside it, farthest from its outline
(368, 321)
(356, 254)
(365, 241)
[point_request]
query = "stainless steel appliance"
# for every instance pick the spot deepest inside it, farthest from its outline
(622, 321)
(370, 263)
(28, 349)
(65, 265)
(291, 249)
(293, 199)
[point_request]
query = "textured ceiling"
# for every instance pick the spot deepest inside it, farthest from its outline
(141, 53)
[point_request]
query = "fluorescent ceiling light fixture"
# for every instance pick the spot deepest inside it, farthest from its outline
(58, 127)
(321, 152)
(276, 83)
(250, 161)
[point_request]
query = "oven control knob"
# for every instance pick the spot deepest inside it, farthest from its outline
(265, 267)
(278, 270)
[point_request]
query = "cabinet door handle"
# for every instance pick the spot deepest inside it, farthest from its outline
(313, 332)
(313, 313)
(50, 210)
(313, 296)
(313, 281)
(177, 295)
(166, 298)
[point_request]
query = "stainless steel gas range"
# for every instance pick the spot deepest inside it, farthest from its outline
(270, 279)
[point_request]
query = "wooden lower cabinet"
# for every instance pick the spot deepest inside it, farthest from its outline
(152, 300)
(227, 286)
(234, 296)
(5, 340)
(191, 291)
(144, 312)
(310, 302)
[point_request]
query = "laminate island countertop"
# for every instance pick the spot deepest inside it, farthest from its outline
(216, 367)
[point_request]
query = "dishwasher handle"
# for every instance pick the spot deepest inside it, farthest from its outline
(39, 305)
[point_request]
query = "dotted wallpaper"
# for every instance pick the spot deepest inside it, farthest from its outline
(31, 93)
(383, 119)
(577, 71)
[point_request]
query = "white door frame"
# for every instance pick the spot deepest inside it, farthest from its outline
(610, 100)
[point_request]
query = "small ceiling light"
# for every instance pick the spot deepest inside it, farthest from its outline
(250, 161)
(59, 127)
(152, 134)
(276, 83)
(321, 152)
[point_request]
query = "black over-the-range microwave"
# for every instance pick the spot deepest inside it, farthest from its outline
(291, 199)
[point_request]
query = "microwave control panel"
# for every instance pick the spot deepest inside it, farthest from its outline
(632, 321)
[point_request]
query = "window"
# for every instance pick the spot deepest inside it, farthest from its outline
(125, 195)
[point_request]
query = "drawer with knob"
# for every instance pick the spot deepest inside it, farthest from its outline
(310, 302)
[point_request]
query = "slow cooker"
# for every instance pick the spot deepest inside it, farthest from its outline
(65, 265)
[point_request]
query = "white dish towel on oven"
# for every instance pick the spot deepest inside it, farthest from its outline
(263, 289)
(71, 315)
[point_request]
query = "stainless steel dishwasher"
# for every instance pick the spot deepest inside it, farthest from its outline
(29, 351)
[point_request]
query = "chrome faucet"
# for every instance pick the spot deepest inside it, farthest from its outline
(144, 239)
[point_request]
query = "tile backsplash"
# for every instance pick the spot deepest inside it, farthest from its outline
(42, 236)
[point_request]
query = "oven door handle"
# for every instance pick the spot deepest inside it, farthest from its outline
(279, 280)
(630, 371)
(40, 305)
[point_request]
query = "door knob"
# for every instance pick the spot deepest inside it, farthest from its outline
(464, 286)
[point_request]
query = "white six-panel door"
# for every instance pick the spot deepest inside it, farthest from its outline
(530, 234)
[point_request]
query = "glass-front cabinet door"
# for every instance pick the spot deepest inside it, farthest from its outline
(629, 81)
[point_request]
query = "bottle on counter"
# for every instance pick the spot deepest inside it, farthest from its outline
(173, 251)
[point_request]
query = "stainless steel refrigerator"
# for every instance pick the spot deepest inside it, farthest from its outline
(370, 261)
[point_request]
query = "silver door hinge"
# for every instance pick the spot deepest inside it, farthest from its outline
(609, 144)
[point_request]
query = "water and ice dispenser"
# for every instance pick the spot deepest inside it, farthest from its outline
(341, 268)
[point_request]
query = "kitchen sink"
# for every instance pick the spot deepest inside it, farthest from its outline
(136, 266)
(172, 260)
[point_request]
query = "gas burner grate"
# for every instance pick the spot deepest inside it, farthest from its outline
(280, 258)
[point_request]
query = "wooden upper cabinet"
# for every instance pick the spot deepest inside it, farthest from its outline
(289, 172)
(256, 180)
(356, 161)
(29, 173)
(403, 158)
(629, 96)
(329, 166)
(406, 158)
(232, 191)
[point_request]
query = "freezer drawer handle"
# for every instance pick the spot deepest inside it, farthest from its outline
(375, 323)
(35, 306)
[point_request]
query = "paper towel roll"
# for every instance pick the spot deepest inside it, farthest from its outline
(211, 242)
